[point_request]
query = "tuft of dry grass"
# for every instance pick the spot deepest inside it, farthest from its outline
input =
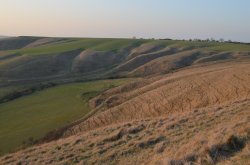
(213, 85)
(200, 136)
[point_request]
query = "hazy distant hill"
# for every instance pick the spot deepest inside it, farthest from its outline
(2, 37)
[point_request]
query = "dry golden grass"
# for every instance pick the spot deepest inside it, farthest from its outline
(200, 115)
(200, 87)
(200, 136)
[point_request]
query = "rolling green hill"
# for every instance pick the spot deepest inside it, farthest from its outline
(99, 63)
(37, 59)
(31, 117)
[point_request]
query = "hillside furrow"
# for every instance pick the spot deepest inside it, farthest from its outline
(182, 94)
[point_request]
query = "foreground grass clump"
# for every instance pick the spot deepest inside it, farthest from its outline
(31, 117)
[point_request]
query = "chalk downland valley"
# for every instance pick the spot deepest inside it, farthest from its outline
(124, 101)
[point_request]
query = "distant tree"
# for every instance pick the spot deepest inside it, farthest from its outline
(221, 40)
(212, 39)
(166, 39)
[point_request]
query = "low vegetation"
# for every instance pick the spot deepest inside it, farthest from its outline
(200, 136)
(32, 116)
(9, 94)
(189, 104)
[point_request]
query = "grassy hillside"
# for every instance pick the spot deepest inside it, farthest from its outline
(199, 115)
(50, 59)
(74, 44)
(177, 77)
(100, 44)
(6, 90)
(34, 115)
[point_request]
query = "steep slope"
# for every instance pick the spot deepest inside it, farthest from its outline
(200, 136)
(169, 63)
(142, 59)
(145, 49)
(216, 57)
(63, 59)
(184, 59)
(91, 60)
(183, 91)
(27, 67)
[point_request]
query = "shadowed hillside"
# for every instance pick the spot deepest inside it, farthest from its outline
(37, 59)
(16, 42)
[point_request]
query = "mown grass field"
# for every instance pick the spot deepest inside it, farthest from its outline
(35, 115)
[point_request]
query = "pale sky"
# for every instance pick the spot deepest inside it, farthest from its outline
(177, 19)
